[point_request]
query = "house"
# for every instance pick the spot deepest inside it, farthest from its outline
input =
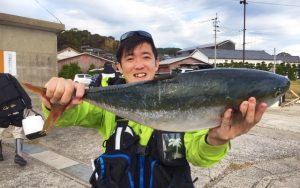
(195, 60)
(98, 52)
(287, 58)
(66, 53)
(84, 61)
(226, 56)
(226, 52)
(227, 44)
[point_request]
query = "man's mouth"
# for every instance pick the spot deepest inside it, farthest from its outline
(140, 75)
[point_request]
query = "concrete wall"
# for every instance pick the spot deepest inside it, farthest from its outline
(35, 44)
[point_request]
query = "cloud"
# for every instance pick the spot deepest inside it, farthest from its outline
(173, 23)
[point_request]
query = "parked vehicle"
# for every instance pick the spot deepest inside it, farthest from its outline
(184, 70)
(83, 78)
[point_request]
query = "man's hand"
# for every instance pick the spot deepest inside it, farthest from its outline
(227, 130)
(66, 92)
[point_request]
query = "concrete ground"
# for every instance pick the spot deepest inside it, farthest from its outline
(268, 156)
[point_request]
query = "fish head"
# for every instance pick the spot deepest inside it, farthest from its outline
(276, 87)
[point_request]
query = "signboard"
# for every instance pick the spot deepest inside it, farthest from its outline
(8, 62)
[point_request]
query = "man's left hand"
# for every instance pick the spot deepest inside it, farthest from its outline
(228, 130)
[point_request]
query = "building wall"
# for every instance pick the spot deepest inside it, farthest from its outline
(84, 61)
(200, 56)
(69, 52)
(211, 61)
(168, 68)
(35, 44)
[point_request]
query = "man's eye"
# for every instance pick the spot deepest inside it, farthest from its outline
(129, 59)
(147, 57)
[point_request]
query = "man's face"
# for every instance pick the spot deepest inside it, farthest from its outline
(140, 65)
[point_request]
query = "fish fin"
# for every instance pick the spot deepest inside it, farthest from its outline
(164, 77)
(55, 113)
(35, 89)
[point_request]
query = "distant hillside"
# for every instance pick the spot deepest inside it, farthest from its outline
(75, 38)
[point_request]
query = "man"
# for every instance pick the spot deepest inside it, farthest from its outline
(108, 75)
(136, 155)
(13, 101)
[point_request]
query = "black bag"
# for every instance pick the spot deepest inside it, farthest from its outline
(115, 167)
(13, 101)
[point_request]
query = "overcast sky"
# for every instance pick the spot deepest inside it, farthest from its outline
(176, 23)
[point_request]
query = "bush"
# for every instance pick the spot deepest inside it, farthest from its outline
(69, 71)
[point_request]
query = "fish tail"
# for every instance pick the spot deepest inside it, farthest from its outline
(55, 113)
(56, 109)
(35, 89)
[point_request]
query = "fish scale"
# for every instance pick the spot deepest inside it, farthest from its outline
(189, 101)
(183, 102)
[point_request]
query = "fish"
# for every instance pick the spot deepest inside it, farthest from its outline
(188, 101)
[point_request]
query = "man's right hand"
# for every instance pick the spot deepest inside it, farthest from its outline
(64, 91)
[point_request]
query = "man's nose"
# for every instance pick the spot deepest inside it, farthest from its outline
(138, 64)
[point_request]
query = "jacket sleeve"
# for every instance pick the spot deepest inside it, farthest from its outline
(199, 153)
(84, 115)
(25, 97)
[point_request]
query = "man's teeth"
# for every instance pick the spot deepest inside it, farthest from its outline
(139, 75)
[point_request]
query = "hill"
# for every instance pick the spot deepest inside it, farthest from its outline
(75, 38)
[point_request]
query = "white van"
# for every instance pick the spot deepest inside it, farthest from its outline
(83, 78)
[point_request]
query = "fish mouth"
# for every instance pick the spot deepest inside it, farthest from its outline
(140, 75)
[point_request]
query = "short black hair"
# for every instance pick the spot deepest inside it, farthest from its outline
(128, 45)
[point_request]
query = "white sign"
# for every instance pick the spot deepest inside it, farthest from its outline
(10, 62)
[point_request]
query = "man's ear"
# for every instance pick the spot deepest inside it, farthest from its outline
(157, 64)
(118, 65)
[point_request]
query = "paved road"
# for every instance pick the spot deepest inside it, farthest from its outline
(268, 156)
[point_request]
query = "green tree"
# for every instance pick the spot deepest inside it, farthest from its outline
(291, 72)
(69, 71)
(92, 66)
(280, 69)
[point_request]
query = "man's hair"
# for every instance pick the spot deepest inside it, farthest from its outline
(128, 45)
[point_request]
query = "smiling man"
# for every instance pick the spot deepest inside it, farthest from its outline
(136, 155)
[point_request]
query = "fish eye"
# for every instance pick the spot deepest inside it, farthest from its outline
(277, 93)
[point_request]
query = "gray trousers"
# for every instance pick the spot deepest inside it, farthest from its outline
(17, 132)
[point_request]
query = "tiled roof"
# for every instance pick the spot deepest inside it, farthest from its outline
(237, 54)
(288, 58)
(204, 46)
(172, 60)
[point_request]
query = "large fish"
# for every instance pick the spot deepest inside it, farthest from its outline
(189, 101)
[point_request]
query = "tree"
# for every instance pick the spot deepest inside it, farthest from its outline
(175, 142)
(291, 72)
(92, 66)
(69, 71)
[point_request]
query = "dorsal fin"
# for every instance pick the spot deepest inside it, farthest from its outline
(164, 77)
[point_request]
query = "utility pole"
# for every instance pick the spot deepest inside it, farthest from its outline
(215, 30)
(274, 69)
(244, 30)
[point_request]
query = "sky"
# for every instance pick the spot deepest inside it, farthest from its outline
(176, 23)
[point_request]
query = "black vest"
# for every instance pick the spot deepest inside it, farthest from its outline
(127, 164)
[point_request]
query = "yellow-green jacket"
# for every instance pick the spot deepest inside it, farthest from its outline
(198, 152)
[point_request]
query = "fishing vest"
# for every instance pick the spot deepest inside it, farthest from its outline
(13, 100)
(127, 164)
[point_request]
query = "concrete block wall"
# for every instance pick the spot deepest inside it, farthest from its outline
(35, 44)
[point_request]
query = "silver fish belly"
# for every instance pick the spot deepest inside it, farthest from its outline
(189, 101)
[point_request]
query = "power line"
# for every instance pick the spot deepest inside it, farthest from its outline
(47, 11)
(276, 4)
(215, 22)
